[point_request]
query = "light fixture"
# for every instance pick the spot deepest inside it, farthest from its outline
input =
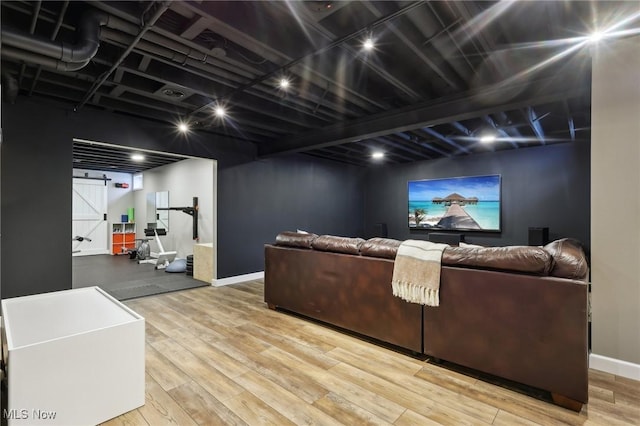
(369, 44)
(486, 134)
(488, 138)
(219, 111)
(137, 157)
(183, 127)
(377, 155)
(284, 83)
(596, 36)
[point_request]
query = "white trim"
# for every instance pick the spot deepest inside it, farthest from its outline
(615, 366)
(237, 279)
(89, 252)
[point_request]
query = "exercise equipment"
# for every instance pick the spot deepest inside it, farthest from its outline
(79, 239)
(164, 257)
(143, 251)
(191, 211)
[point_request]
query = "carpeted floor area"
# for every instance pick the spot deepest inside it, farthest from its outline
(125, 279)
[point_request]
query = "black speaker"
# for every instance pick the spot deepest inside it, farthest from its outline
(441, 237)
(381, 230)
(538, 236)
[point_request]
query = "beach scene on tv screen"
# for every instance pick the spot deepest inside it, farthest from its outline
(469, 203)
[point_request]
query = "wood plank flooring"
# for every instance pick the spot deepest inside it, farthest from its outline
(218, 356)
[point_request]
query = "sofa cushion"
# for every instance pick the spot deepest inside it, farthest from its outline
(525, 259)
(337, 244)
(569, 260)
(380, 247)
(295, 239)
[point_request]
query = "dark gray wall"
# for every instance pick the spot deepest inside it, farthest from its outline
(258, 200)
(545, 186)
(35, 177)
(36, 203)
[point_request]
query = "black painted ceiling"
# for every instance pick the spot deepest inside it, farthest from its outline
(89, 155)
(441, 71)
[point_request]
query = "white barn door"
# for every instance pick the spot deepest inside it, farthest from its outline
(89, 217)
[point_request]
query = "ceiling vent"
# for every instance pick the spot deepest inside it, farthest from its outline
(174, 92)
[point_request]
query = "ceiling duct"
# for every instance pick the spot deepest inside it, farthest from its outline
(52, 54)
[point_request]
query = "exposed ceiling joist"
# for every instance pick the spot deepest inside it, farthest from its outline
(469, 105)
(439, 72)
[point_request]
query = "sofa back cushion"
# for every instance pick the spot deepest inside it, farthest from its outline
(337, 244)
(524, 259)
(569, 259)
(380, 247)
(295, 239)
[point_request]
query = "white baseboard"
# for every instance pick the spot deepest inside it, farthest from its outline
(615, 366)
(237, 279)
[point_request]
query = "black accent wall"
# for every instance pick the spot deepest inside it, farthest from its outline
(36, 203)
(541, 187)
(544, 186)
(36, 186)
(258, 200)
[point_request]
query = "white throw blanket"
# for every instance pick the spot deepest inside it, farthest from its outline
(416, 272)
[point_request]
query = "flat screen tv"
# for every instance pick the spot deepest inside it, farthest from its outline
(469, 203)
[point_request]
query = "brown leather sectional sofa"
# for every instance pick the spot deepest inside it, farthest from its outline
(515, 312)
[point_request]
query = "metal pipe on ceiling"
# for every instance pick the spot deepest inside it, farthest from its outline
(32, 28)
(84, 50)
(164, 5)
(56, 29)
(45, 61)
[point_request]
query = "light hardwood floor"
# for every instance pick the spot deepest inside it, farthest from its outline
(218, 356)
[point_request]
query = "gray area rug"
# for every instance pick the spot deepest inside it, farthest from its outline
(150, 286)
(125, 279)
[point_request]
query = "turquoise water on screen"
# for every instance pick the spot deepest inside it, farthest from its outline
(486, 213)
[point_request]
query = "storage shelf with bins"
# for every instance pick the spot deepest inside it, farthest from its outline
(123, 237)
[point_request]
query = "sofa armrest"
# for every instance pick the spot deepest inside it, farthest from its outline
(569, 259)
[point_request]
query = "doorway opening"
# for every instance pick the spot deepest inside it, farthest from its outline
(112, 210)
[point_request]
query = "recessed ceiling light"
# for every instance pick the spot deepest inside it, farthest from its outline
(368, 44)
(220, 112)
(137, 157)
(284, 83)
(183, 127)
(378, 155)
(596, 36)
(488, 138)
